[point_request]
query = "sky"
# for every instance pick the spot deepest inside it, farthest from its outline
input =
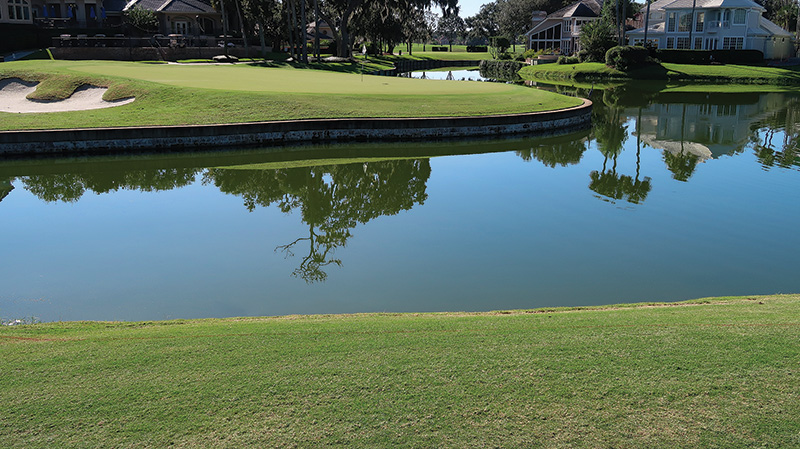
(470, 7)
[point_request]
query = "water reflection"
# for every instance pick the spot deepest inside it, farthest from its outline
(334, 189)
(331, 199)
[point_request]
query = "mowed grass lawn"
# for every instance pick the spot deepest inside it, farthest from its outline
(170, 94)
(727, 73)
(711, 373)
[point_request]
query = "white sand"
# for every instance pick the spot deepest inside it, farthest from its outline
(14, 90)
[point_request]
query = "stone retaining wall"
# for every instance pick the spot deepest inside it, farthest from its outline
(192, 138)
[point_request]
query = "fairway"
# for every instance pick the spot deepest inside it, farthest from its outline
(708, 373)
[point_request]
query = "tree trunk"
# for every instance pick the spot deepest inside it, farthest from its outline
(242, 28)
(224, 27)
(303, 33)
(262, 40)
(646, 23)
(316, 30)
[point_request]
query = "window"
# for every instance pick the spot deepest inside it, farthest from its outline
(701, 17)
(726, 18)
(19, 10)
(739, 16)
(732, 43)
(685, 22)
(698, 43)
(568, 26)
(671, 22)
(671, 42)
(711, 44)
(683, 43)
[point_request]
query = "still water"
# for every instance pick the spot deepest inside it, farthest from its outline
(670, 196)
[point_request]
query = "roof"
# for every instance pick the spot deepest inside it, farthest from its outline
(581, 8)
(710, 4)
(173, 6)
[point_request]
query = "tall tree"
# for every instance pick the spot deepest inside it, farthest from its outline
(483, 25)
(452, 27)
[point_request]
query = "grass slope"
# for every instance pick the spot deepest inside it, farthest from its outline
(667, 72)
(169, 94)
(713, 373)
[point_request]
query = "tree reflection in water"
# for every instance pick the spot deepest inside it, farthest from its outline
(332, 200)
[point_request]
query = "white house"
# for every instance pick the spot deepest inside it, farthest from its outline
(561, 29)
(715, 24)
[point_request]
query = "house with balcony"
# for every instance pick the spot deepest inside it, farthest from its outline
(713, 25)
(560, 31)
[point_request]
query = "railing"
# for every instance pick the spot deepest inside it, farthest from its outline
(171, 41)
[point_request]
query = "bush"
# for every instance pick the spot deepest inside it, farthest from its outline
(505, 56)
(625, 58)
(438, 48)
(500, 70)
(529, 54)
(583, 55)
(708, 56)
(568, 60)
(477, 49)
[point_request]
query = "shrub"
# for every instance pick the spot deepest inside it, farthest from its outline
(500, 70)
(477, 49)
(583, 55)
(505, 56)
(626, 58)
(568, 60)
(529, 54)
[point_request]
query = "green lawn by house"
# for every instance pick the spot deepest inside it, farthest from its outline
(169, 94)
(709, 373)
(729, 73)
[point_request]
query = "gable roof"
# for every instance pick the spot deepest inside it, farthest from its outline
(706, 4)
(581, 8)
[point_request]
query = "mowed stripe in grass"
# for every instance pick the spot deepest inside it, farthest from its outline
(206, 94)
(718, 373)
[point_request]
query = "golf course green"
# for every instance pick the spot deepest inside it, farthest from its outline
(173, 94)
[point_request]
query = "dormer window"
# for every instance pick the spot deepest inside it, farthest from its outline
(739, 16)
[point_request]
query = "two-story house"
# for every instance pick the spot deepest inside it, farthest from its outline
(561, 29)
(713, 25)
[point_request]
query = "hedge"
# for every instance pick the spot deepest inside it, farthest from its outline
(624, 58)
(438, 48)
(477, 49)
(500, 70)
(708, 56)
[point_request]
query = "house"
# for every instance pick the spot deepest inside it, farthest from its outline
(188, 17)
(561, 29)
(715, 24)
(16, 11)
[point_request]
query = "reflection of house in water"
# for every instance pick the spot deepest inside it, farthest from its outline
(706, 125)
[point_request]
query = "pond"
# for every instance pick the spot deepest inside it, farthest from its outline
(447, 75)
(670, 196)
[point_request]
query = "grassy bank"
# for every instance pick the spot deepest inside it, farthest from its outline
(168, 94)
(713, 373)
(736, 74)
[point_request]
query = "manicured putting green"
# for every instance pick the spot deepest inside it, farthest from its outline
(270, 79)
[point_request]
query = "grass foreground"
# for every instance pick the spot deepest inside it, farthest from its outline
(729, 73)
(721, 372)
(170, 94)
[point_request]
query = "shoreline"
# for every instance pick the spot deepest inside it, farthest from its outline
(271, 133)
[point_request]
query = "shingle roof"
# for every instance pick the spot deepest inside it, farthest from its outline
(582, 8)
(706, 4)
(174, 6)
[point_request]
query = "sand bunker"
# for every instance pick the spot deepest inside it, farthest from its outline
(14, 90)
